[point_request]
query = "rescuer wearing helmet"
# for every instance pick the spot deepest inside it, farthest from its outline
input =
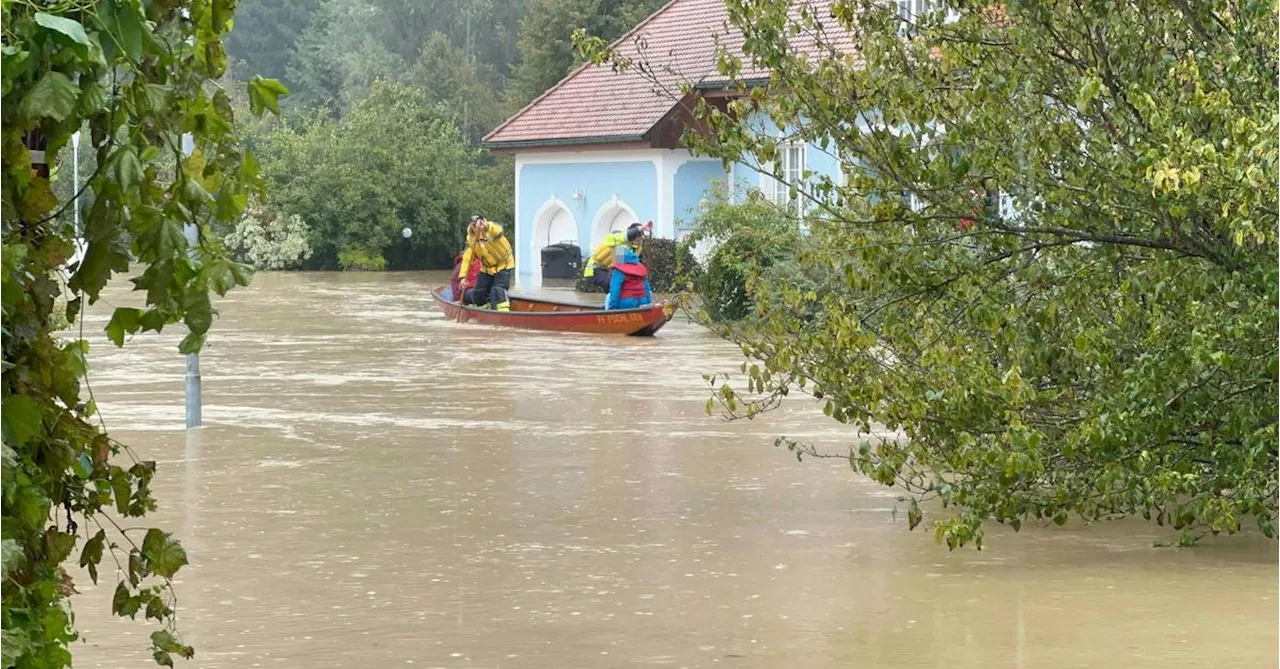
(486, 241)
(602, 257)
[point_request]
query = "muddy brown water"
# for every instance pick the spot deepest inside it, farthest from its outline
(376, 486)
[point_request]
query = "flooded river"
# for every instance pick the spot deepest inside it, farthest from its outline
(376, 486)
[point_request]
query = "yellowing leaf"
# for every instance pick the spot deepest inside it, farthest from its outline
(265, 93)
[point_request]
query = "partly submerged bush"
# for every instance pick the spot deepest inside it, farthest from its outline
(270, 240)
(749, 239)
(669, 263)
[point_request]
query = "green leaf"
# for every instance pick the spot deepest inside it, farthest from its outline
(221, 12)
(11, 556)
(38, 200)
(66, 27)
(123, 603)
(121, 491)
(192, 343)
(164, 554)
(165, 641)
(124, 320)
(7, 455)
(230, 205)
(156, 610)
(106, 255)
(195, 193)
(93, 98)
(122, 22)
(91, 554)
(220, 277)
(53, 96)
(14, 63)
(22, 419)
(1274, 367)
(58, 545)
(32, 507)
(157, 97)
(265, 93)
(242, 273)
(14, 643)
(172, 240)
(914, 516)
(197, 310)
(129, 169)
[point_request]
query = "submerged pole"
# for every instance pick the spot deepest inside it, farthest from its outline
(193, 359)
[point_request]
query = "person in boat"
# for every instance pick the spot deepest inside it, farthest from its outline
(487, 242)
(456, 282)
(629, 283)
(601, 260)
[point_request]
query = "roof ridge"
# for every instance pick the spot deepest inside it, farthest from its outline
(580, 69)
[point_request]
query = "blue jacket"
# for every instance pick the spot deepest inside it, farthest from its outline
(624, 283)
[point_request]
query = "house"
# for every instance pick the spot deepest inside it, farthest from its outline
(601, 149)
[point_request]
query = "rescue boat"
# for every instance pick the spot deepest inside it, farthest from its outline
(538, 314)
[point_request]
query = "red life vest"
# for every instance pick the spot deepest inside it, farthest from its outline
(456, 280)
(633, 277)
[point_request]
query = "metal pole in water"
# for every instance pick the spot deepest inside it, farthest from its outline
(75, 178)
(193, 359)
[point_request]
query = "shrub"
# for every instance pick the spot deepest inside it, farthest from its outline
(668, 261)
(750, 239)
(361, 260)
(270, 240)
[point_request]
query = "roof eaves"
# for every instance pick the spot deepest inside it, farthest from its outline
(726, 84)
(564, 141)
(580, 70)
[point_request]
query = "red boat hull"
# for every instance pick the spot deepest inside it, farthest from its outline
(532, 314)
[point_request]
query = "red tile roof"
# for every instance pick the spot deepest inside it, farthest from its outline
(596, 104)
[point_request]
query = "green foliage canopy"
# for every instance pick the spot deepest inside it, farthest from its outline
(749, 239)
(136, 77)
(1101, 344)
(357, 189)
(546, 39)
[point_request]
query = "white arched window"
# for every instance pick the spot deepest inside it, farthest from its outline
(615, 215)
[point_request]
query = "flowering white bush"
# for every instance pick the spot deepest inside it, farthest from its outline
(269, 240)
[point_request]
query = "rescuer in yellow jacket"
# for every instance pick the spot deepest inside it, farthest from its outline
(497, 262)
(602, 256)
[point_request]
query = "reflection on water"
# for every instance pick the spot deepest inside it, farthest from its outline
(377, 486)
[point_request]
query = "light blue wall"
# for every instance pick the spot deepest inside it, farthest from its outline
(694, 181)
(818, 160)
(634, 182)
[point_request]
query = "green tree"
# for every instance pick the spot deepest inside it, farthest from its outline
(484, 30)
(338, 57)
(468, 89)
(136, 76)
(394, 161)
(546, 39)
(266, 32)
(1100, 343)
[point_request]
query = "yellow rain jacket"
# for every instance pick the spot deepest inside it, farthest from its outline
(492, 248)
(602, 256)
